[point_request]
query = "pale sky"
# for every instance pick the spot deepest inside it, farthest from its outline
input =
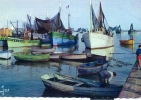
(117, 12)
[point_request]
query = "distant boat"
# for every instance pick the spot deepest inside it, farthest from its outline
(99, 36)
(118, 29)
(6, 54)
(79, 86)
(131, 31)
(127, 42)
(92, 67)
(31, 57)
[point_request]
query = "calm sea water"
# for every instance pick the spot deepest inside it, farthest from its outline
(23, 79)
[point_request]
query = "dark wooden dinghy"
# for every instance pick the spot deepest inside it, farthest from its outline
(92, 67)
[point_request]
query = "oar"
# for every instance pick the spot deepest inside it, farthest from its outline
(88, 83)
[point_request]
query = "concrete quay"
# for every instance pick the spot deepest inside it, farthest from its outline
(132, 86)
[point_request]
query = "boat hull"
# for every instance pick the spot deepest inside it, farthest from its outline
(15, 42)
(6, 54)
(127, 42)
(57, 38)
(88, 70)
(31, 57)
(73, 56)
(75, 86)
(97, 40)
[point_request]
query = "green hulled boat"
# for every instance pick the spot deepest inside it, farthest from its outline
(31, 57)
(15, 42)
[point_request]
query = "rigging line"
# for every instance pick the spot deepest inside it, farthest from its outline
(123, 48)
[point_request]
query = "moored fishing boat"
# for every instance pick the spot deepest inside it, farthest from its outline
(99, 36)
(31, 57)
(92, 67)
(127, 42)
(58, 34)
(6, 54)
(79, 86)
(16, 42)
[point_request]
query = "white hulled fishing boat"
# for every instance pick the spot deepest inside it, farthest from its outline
(99, 36)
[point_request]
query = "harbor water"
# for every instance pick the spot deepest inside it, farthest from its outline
(22, 79)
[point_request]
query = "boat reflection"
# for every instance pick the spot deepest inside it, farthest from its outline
(5, 62)
(51, 93)
(102, 52)
(131, 47)
(20, 49)
(32, 64)
(66, 49)
(72, 63)
(39, 64)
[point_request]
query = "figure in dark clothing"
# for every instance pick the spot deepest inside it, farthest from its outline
(138, 53)
(105, 77)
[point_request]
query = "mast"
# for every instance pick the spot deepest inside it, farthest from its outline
(59, 14)
(67, 7)
(90, 15)
(7, 20)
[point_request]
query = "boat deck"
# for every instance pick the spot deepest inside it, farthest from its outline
(132, 86)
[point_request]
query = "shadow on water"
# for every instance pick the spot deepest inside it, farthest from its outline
(48, 92)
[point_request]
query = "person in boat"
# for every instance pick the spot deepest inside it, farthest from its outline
(138, 53)
(105, 77)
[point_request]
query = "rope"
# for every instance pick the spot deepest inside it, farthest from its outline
(119, 63)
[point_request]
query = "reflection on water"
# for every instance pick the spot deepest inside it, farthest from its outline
(5, 62)
(51, 93)
(103, 52)
(27, 74)
(66, 49)
(131, 47)
(20, 49)
(32, 64)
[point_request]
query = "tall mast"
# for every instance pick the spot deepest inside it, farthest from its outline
(60, 6)
(7, 20)
(68, 17)
(90, 15)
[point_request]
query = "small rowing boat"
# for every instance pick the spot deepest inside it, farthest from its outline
(31, 57)
(79, 86)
